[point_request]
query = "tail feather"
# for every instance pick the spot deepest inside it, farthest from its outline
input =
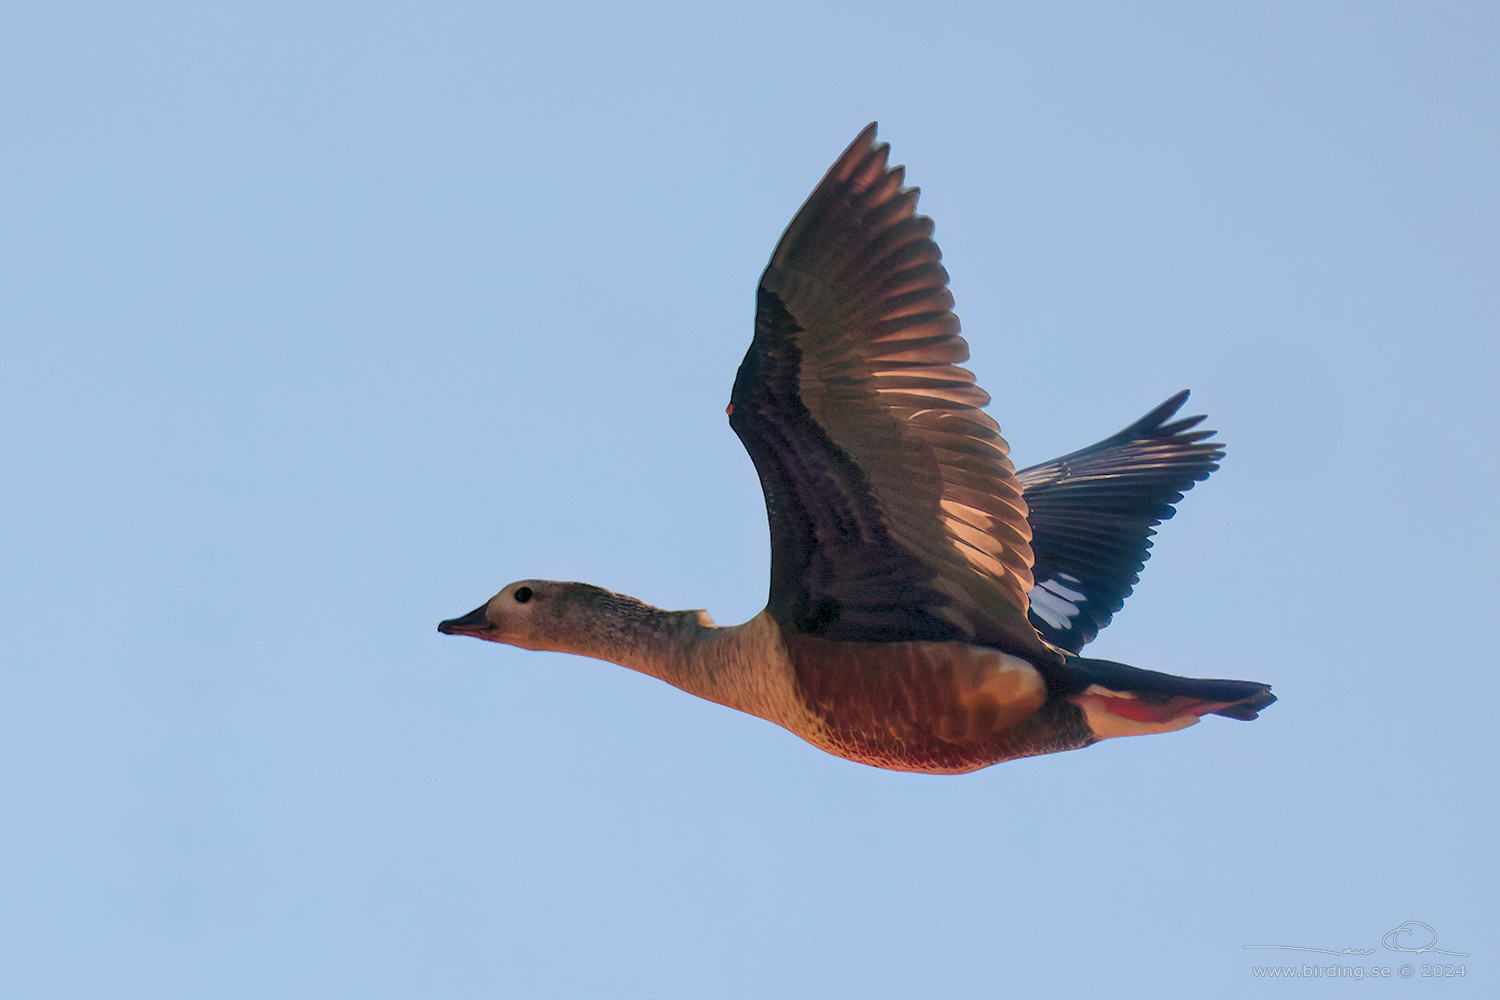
(1162, 695)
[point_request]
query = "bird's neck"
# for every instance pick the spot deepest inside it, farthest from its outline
(742, 666)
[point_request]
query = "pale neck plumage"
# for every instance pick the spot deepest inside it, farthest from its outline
(742, 666)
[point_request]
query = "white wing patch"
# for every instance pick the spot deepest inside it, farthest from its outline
(1054, 602)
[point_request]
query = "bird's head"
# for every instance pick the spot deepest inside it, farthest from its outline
(523, 614)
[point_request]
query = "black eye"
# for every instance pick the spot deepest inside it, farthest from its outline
(523, 594)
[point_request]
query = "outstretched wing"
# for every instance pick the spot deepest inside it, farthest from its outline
(1092, 515)
(895, 512)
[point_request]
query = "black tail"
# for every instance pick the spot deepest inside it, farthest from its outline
(1241, 700)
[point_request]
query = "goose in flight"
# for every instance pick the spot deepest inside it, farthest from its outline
(928, 603)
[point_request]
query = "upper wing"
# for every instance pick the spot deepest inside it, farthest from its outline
(895, 513)
(1092, 514)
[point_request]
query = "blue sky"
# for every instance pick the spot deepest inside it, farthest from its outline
(323, 322)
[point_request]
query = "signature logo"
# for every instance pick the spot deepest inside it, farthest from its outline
(1412, 937)
(1392, 940)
